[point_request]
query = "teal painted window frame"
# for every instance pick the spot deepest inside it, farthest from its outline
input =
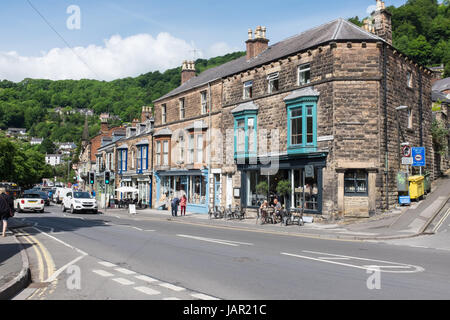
(302, 103)
(246, 116)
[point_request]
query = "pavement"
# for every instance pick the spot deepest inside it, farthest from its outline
(14, 267)
(399, 223)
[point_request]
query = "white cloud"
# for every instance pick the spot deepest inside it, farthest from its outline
(117, 58)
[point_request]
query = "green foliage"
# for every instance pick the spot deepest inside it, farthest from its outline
(262, 188)
(421, 29)
(284, 188)
(30, 103)
(21, 163)
(440, 137)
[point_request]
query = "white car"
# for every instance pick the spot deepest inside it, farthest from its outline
(79, 202)
(30, 202)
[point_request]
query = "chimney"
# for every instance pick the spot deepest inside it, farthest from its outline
(380, 23)
(135, 123)
(146, 113)
(187, 71)
(258, 44)
(104, 125)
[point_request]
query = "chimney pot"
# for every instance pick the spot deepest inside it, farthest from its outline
(257, 45)
(250, 34)
(187, 71)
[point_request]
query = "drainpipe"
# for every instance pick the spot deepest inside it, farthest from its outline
(386, 164)
(209, 140)
(420, 112)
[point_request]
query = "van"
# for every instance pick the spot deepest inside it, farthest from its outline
(60, 194)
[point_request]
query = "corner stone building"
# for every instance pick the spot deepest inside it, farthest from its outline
(322, 108)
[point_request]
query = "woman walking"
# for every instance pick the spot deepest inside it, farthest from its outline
(183, 205)
(6, 209)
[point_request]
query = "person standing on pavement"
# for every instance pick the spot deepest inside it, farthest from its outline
(6, 209)
(175, 204)
(183, 205)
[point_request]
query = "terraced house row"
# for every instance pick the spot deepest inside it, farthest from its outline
(313, 120)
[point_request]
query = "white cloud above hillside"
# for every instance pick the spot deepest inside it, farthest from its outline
(117, 58)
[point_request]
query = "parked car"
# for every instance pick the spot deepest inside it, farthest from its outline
(79, 202)
(30, 202)
(42, 194)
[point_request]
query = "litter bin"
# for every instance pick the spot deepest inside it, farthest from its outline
(416, 187)
(427, 183)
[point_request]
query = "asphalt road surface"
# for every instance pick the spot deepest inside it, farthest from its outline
(102, 257)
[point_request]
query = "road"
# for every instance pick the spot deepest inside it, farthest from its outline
(103, 257)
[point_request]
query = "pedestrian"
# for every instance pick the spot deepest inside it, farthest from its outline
(183, 205)
(175, 203)
(6, 209)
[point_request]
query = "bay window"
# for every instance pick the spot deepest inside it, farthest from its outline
(302, 126)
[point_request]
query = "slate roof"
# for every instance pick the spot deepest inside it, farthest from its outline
(442, 85)
(248, 106)
(163, 132)
(439, 96)
(337, 30)
(305, 92)
(197, 125)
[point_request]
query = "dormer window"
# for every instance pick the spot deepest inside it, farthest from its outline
(248, 90)
(304, 74)
(273, 80)
(131, 132)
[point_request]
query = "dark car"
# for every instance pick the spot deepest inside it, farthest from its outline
(42, 194)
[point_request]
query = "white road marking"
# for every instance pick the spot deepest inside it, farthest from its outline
(59, 271)
(219, 241)
(172, 298)
(146, 279)
(415, 246)
(123, 281)
(107, 264)
(439, 224)
(125, 271)
(103, 273)
(202, 296)
(147, 291)
(171, 287)
(376, 263)
(62, 242)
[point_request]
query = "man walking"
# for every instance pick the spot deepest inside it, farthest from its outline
(175, 203)
(6, 209)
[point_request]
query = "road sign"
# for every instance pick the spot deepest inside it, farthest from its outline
(406, 151)
(407, 161)
(418, 155)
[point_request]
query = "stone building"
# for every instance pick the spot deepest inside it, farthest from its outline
(325, 111)
(187, 151)
(133, 160)
(89, 150)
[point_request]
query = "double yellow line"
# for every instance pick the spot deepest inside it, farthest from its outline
(44, 259)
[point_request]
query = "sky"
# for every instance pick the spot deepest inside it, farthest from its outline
(107, 40)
